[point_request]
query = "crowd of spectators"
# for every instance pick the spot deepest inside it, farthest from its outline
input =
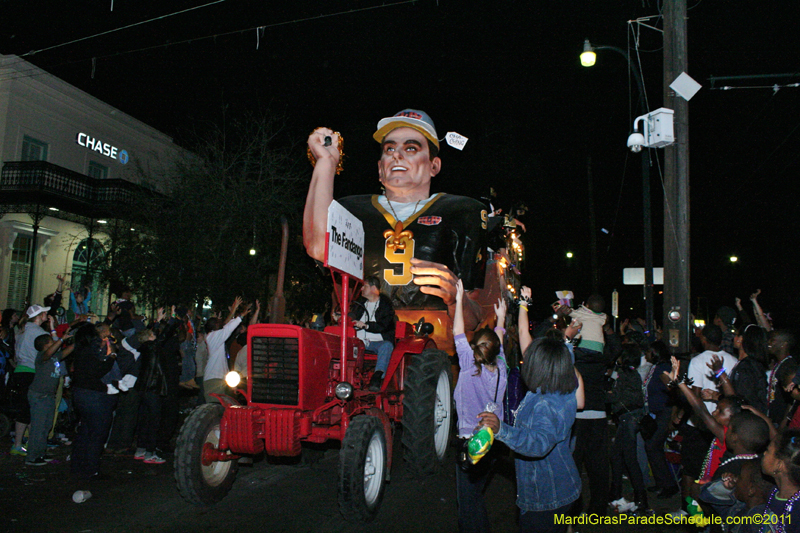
(124, 377)
(719, 426)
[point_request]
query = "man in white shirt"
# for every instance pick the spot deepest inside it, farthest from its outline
(699, 371)
(217, 365)
(696, 440)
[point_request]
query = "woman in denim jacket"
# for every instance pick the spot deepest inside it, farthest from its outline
(547, 478)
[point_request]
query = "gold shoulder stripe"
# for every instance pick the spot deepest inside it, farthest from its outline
(386, 214)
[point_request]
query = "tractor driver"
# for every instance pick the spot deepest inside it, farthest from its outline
(373, 318)
(417, 243)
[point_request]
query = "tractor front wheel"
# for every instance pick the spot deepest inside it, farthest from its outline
(362, 469)
(198, 483)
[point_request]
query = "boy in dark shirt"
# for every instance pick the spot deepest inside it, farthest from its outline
(42, 394)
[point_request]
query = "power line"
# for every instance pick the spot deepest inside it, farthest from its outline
(32, 52)
(259, 28)
(775, 87)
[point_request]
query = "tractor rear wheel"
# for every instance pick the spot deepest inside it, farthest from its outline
(427, 411)
(201, 484)
(362, 469)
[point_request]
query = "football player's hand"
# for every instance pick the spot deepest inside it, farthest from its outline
(435, 279)
(316, 143)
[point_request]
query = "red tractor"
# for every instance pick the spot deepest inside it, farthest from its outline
(310, 386)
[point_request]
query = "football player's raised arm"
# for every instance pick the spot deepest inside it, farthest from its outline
(320, 191)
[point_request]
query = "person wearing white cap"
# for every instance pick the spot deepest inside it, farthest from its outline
(31, 327)
(418, 244)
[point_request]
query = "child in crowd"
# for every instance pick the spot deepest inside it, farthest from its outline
(548, 482)
(716, 422)
(482, 381)
(748, 436)
(79, 302)
(752, 490)
(592, 319)
(782, 463)
(42, 393)
(787, 375)
(740, 497)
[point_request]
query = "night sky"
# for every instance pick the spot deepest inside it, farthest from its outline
(506, 75)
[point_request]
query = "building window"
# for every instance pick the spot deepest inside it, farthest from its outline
(21, 254)
(33, 149)
(87, 261)
(97, 171)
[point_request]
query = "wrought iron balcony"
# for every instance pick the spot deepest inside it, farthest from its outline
(25, 185)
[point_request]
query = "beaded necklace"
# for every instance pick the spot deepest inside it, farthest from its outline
(707, 462)
(787, 511)
(773, 382)
(395, 214)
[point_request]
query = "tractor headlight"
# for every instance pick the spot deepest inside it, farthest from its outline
(233, 379)
(343, 390)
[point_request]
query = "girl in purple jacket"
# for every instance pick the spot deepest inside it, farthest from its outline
(481, 382)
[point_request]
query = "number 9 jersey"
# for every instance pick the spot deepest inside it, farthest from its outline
(448, 229)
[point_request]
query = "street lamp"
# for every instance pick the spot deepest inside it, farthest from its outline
(569, 255)
(734, 259)
(588, 57)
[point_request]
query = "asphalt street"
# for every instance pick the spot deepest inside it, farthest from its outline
(270, 496)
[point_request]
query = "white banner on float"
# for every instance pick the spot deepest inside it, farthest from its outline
(344, 249)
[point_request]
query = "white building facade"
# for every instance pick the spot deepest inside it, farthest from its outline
(71, 167)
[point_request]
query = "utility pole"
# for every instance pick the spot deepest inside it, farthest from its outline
(592, 227)
(677, 294)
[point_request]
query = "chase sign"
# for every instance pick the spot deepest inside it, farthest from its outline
(96, 145)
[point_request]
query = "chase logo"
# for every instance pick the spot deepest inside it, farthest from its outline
(103, 148)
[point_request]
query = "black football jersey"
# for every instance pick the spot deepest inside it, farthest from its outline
(449, 229)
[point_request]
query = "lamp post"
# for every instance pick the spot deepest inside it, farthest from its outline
(588, 58)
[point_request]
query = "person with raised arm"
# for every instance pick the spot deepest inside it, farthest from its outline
(481, 385)
(217, 332)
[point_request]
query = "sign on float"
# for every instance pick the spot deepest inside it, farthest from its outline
(344, 248)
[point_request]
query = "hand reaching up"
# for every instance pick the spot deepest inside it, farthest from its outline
(716, 363)
(236, 303)
(676, 367)
(500, 312)
(525, 292)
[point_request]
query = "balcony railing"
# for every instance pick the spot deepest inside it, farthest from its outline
(39, 182)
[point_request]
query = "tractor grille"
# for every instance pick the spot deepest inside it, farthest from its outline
(275, 370)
